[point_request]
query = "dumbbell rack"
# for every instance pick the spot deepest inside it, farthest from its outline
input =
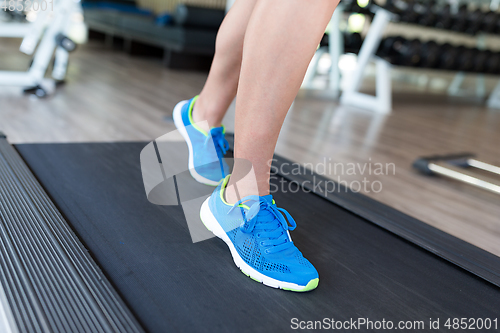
(382, 101)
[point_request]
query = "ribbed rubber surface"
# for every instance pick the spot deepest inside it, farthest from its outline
(175, 285)
(51, 282)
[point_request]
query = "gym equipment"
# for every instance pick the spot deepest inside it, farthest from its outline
(397, 7)
(332, 43)
(198, 17)
(48, 34)
(490, 22)
(429, 16)
(187, 46)
(448, 57)
(352, 42)
(480, 61)
(410, 53)
(388, 48)
(412, 13)
(12, 15)
(492, 63)
(441, 15)
(465, 59)
(399, 52)
(475, 21)
(429, 54)
(367, 254)
(413, 53)
(352, 95)
(458, 167)
(445, 18)
(460, 19)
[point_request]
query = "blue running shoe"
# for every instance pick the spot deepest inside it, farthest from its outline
(206, 150)
(257, 235)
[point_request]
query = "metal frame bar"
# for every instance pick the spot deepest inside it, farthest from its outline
(382, 101)
(335, 49)
(455, 167)
(483, 166)
(463, 177)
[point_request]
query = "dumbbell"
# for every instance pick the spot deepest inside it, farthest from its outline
(445, 18)
(353, 42)
(65, 42)
(397, 7)
(410, 13)
(429, 16)
(492, 63)
(475, 21)
(429, 54)
(409, 53)
(448, 57)
(400, 51)
(497, 29)
(490, 22)
(389, 47)
(479, 62)
(465, 59)
(460, 19)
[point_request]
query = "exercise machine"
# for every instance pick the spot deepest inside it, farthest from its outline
(46, 38)
(83, 250)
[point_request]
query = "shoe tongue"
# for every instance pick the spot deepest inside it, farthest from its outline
(268, 198)
(265, 213)
(217, 131)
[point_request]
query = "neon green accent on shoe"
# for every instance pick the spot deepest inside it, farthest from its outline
(254, 279)
(190, 113)
(310, 286)
(223, 188)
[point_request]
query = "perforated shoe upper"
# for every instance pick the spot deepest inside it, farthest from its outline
(259, 232)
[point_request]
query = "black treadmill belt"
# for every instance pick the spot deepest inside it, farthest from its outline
(172, 284)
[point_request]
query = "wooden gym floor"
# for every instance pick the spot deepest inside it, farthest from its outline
(111, 96)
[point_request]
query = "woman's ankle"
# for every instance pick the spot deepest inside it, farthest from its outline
(237, 190)
(200, 114)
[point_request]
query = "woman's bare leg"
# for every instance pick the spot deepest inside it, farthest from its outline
(222, 82)
(280, 40)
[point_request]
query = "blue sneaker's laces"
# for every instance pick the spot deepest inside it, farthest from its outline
(217, 136)
(268, 221)
(220, 143)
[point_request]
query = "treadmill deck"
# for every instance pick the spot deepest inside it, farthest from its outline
(173, 284)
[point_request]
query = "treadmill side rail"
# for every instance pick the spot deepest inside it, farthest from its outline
(51, 282)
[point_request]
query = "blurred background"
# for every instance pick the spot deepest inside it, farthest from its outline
(391, 81)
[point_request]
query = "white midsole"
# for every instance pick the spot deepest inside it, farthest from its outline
(211, 223)
(182, 129)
